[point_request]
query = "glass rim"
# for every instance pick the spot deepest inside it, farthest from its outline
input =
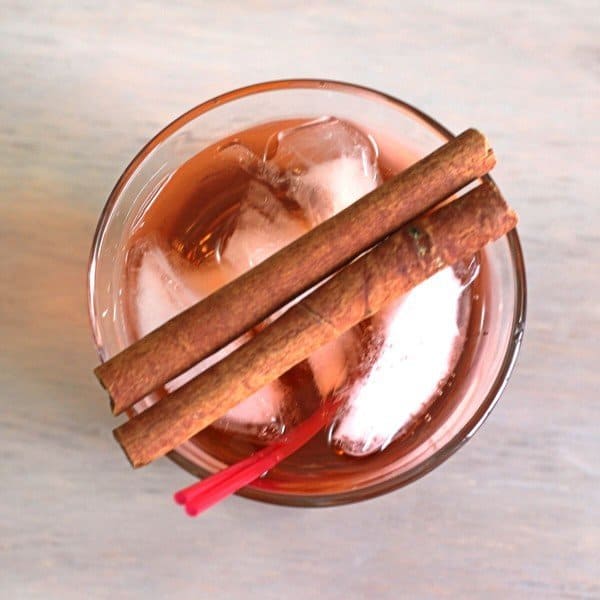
(518, 270)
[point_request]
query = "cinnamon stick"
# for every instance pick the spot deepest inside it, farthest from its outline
(453, 232)
(223, 316)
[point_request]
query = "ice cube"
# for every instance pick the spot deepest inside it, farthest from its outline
(326, 189)
(329, 164)
(418, 354)
(320, 141)
(321, 166)
(167, 284)
(264, 225)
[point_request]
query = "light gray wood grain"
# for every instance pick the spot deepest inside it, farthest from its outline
(516, 514)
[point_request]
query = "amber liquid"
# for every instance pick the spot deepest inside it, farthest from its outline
(192, 214)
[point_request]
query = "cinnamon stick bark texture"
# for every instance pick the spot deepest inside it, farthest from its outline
(220, 318)
(404, 259)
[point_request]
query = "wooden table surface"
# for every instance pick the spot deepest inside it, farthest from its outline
(515, 514)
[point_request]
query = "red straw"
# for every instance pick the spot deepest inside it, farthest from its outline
(204, 494)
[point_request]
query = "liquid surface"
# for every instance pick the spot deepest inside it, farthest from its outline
(233, 205)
